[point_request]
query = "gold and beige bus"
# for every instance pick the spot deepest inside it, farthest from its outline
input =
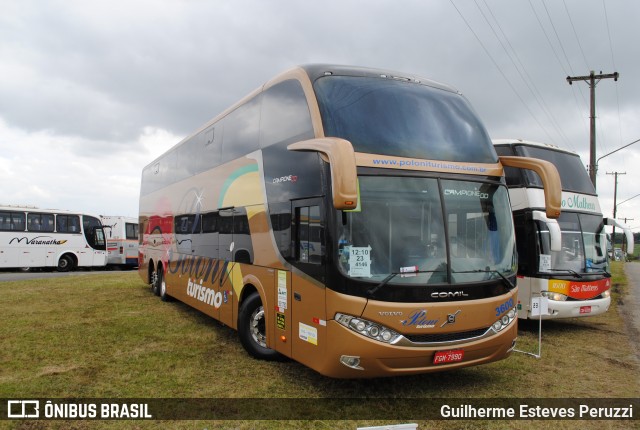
(354, 220)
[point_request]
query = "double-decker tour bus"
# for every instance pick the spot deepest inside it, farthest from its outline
(355, 220)
(122, 240)
(564, 260)
(32, 237)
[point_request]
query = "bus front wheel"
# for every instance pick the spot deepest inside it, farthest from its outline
(65, 264)
(252, 329)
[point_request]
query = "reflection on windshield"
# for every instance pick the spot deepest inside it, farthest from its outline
(583, 244)
(399, 227)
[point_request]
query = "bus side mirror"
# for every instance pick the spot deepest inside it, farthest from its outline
(555, 235)
(342, 161)
(550, 180)
(627, 232)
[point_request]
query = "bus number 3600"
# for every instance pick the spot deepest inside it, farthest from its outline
(504, 307)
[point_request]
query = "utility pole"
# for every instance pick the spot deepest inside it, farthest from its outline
(615, 205)
(592, 85)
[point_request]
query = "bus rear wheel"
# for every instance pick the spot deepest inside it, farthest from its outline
(252, 329)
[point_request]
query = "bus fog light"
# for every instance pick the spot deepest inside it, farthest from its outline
(351, 361)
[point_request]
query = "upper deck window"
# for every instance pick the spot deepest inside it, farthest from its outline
(573, 175)
(390, 117)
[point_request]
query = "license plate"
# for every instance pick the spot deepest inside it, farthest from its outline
(585, 309)
(453, 356)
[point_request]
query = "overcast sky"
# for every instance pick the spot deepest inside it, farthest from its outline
(92, 91)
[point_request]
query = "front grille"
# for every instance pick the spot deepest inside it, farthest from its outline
(446, 337)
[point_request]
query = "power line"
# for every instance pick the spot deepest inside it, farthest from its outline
(557, 37)
(553, 49)
(613, 62)
(536, 94)
(497, 66)
(584, 57)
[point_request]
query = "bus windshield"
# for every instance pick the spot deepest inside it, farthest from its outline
(393, 117)
(584, 245)
(427, 231)
(573, 175)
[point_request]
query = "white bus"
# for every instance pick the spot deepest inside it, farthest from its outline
(564, 260)
(32, 237)
(122, 240)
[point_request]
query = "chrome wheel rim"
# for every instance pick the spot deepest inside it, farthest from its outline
(257, 327)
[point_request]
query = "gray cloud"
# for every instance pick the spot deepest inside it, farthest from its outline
(101, 73)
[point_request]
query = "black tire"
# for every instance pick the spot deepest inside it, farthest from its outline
(65, 264)
(252, 330)
(156, 280)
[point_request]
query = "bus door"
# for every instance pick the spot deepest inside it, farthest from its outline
(308, 310)
(97, 240)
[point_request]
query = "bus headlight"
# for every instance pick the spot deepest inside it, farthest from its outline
(606, 294)
(505, 320)
(368, 328)
(558, 297)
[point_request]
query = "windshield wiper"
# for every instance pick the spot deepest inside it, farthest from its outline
(497, 272)
(573, 272)
(385, 281)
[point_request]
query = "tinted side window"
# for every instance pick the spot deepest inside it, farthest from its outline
(285, 114)
(187, 224)
(160, 174)
(131, 230)
(310, 235)
(241, 130)
(210, 222)
(12, 221)
(67, 223)
(40, 222)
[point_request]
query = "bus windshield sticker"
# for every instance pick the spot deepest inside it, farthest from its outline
(545, 263)
(282, 290)
(360, 261)
(408, 271)
(308, 333)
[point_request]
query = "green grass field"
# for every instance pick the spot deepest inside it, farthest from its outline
(106, 336)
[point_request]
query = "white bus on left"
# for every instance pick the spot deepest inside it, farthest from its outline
(31, 237)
